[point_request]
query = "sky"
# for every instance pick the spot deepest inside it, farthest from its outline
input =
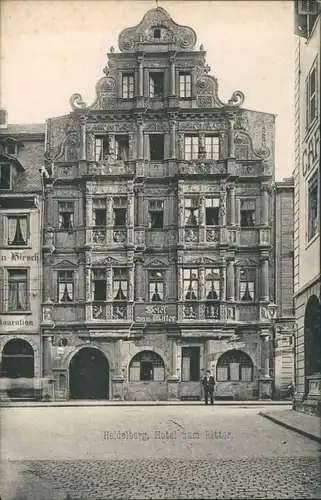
(52, 49)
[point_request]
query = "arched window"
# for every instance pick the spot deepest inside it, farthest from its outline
(147, 365)
(18, 359)
(234, 366)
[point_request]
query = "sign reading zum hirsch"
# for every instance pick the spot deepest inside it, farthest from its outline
(155, 313)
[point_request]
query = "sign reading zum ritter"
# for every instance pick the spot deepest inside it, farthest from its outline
(166, 435)
(158, 314)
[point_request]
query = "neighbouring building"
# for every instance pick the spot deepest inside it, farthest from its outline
(285, 328)
(158, 246)
(307, 288)
(21, 205)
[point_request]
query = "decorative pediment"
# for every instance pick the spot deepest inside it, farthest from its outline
(109, 261)
(65, 264)
(157, 28)
(246, 263)
(156, 263)
(203, 260)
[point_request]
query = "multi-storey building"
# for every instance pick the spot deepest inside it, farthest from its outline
(21, 156)
(307, 291)
(158, 230)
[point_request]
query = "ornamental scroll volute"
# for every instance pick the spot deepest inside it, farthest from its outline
(62, 140)
(157, 28)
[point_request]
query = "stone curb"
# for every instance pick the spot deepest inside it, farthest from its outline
(246, 404)
(291, 427)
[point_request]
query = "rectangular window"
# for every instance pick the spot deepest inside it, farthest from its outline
(212, 147)
(120, 211)
(156, 85)
(190, 364)
(11, 149)
(247, 213)
(212, 211)
(121, 147)
(247, 285)
(66, 215)
(5, 177)
(101, 147)
(313, 220)
(185, 85)
(311, 96)
(191, 211)
(212, 284)
(128, 86)
(17, 290)
(65, 286)
(190, 278)
(99, 285)
(156, 147)
(99, 212)
(18, 230)
(156, 214)
(120, 284)
(190, 147)
(156, 279)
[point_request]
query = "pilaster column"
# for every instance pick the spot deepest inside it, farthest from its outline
(118, 348)
(172, 76)
(140, 76)
(131, 284)
(139, 285)
(265, 336)
(91, 147)
(83, 138)
(109, 211)
(172, 125)
(230, 281)
(47, 356)
(180, 211)
(231, 145)
(223, 207)
(88, 297)
(201, 281)
(109, 283)
(223, 284)
(207, 355)
(180, 288)
(140, 207)
(111, 143)
(264, 279)
(265, 204)
(232, 205)
(130, 207)
(174, 357)
(89, 217)
(140, 139)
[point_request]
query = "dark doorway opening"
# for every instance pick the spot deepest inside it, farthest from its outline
(146, 370)
(312, 337)
(89, 375)
(18, 362)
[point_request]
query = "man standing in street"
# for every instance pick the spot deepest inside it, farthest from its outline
(208, 384)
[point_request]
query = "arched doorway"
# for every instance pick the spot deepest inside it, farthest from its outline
(312, 337)
(89, 375)
(18, 362)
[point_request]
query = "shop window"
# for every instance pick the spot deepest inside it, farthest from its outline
(66, 215)
(212, 211)
(18, 230)
(191, 364)
(99, 212)
(156, 214)
(120, 284)
(234, 366)
(190, 278)
(128, 86)
(156, 280)
(17, 290)
(99, 285)
(5, 177)
(156, 85)
(121, 147)
(190, 147)
(147, 366)
(120, 211)
(313, 220)
(156, 147)
(185, 85)
(65, 286)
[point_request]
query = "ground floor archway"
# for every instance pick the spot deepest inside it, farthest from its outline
(89, 375)
(18, 362)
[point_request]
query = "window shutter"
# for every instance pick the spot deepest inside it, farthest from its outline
(186, 362)
(166, 145)
(146, 154)
(3, 229)
(238, 211)
(2, 289)
(307, 103)
(258, 211)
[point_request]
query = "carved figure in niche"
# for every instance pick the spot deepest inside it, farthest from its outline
(212, 235)
(190, 235)
(189, 312)
(264, 313)
(230, 313)
(119, 312)
(49, 237)
(181, 145)
(212, 312)
(232, 237)
(119, 236)
(47, 313)
(99, 237)
(97, 311)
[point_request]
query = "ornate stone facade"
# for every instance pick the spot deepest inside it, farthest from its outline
(165, 224)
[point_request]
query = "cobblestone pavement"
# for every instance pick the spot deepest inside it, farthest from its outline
(158, 453)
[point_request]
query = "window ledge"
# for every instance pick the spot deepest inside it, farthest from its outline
(15, 313)
(16, 247)
(312, 240)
